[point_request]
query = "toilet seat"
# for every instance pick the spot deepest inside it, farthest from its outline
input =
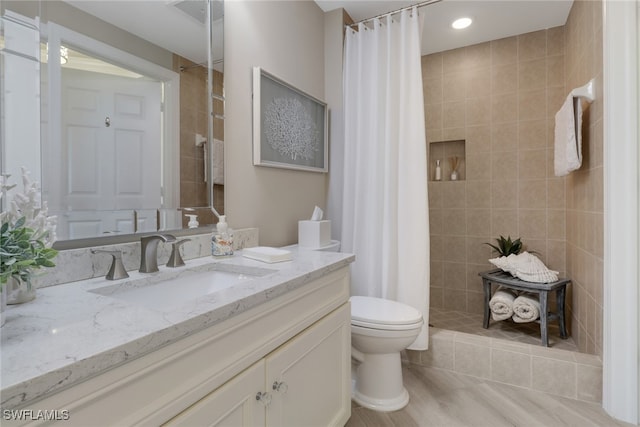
(378, 313)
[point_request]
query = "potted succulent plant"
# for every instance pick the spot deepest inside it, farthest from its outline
(26, 236)
(506, 247)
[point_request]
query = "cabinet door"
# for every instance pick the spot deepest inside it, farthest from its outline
(309, 376)
(233, 404)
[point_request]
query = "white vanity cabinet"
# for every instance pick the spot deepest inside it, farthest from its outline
(299, 341)
(305, 382)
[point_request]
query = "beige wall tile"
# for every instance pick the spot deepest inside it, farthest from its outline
(433, 90)
(532, 164)
(532, 45)
(504, 79)
(452, 90)
(504, 108)
(589, 383)
(478, 83)
(455, 299)
(472, 359)
(532, 105)
(477, 112)
(504, 222)
(504, 51)
(453, 114)
(511, 367)
(554, 376)
(532, 223)
(478, 56)
(478, 138)
(477, 251)
(532, 134)
(532, 74)
(478, 195)
(454, 249)
(555, 70)
(532, 194)
(504, 137)
(432, 65)
(454, 275)
(454, 222)
(478, 166)
(504, 194)
(478, 222)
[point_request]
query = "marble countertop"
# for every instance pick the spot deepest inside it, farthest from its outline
(68, 334)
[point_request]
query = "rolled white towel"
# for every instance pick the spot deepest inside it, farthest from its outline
(526, 308)
(501, 304)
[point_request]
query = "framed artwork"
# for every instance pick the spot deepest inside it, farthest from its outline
(289, 126)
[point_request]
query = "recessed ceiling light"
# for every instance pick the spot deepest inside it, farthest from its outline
(461, 23)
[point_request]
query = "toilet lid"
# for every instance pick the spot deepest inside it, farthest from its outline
(372, 312)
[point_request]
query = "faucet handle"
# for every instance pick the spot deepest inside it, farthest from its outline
(175, 260)
(117, 270)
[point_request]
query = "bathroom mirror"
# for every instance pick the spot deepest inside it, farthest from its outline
(120, 131)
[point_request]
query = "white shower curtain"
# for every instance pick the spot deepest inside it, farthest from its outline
(385, 207)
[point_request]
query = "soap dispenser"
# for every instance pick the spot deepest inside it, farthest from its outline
(193, 221)
(438, 174)
(222, 239)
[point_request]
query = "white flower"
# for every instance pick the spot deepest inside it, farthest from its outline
(28, 205)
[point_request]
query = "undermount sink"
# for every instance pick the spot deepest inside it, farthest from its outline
(174, 288)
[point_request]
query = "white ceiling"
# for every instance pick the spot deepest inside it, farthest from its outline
(161, 23)
(492, 20)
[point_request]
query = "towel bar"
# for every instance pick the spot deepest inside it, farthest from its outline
(586, 92)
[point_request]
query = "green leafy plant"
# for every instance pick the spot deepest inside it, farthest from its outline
(21, 252)
(506, 246)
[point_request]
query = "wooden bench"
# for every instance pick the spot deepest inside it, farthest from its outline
(506, 280)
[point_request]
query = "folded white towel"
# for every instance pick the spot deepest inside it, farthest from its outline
(526, 308)
(568, 137)
(501, 304)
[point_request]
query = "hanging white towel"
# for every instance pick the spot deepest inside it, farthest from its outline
(526, 308)
(501, 304)
(218, 162)
(568, 137)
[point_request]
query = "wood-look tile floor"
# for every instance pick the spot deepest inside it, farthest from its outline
(443, 398)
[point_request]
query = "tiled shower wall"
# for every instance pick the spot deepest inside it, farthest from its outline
(585, 194)
(501, 98)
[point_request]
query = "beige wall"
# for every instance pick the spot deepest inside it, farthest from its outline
(286, 39)
(585, 199)
(500, 97)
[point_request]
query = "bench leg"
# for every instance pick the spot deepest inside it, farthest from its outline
(544, 317)
(560, 299)
(487, 297)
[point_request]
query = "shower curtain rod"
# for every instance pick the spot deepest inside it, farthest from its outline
(424, 3)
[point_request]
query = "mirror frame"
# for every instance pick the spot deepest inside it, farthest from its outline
(173, 131)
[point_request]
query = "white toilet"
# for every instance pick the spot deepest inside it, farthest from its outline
(380, 330)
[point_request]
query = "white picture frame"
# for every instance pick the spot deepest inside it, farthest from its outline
(290, 127)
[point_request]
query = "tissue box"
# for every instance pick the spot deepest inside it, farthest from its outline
(314, 234)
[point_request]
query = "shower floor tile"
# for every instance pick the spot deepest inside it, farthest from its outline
(471, 323)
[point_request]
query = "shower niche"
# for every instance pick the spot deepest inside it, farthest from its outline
(447, 160)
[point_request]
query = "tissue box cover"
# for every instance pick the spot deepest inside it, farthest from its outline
(314, 234)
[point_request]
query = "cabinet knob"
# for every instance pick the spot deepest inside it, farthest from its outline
(265, 398)
(280, 387)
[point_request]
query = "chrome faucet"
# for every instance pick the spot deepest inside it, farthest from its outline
(175, 260)
(149, 251)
